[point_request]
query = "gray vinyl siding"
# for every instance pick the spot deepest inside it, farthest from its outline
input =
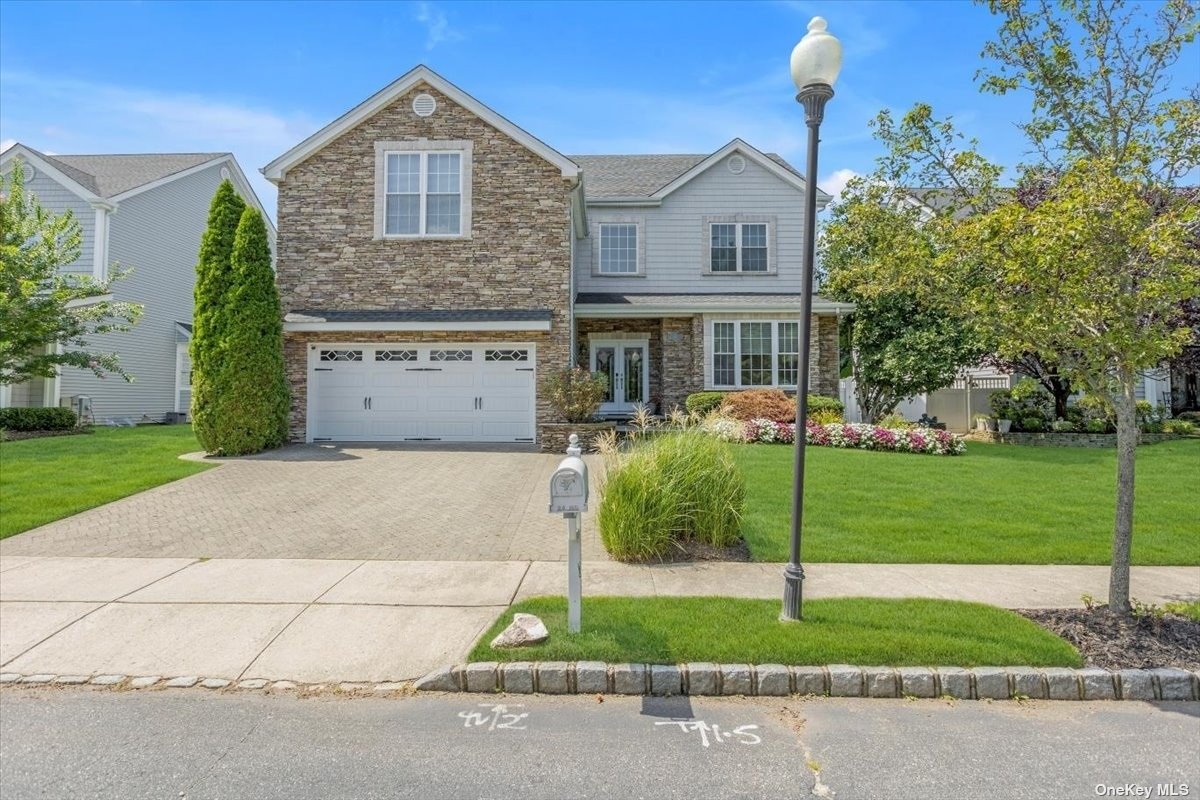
(155, 235)
(58, 199)
(675, 235)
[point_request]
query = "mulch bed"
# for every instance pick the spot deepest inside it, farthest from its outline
(1115, 641)
(692, 550)
(14, 436)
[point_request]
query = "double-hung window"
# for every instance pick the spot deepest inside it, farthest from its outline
(618, 248)
(755, 353)
(423, 193)
(738, 247)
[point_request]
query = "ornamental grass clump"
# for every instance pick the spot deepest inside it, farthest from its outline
(668, 491)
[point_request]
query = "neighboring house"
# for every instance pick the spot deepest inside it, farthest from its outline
(435, 259)
(144, 213)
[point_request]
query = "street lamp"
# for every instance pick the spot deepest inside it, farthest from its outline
(816, 61)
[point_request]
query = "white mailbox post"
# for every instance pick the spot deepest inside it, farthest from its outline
(569, 496)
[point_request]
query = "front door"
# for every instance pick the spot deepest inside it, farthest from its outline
(627, 365)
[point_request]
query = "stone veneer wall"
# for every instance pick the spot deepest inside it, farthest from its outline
(683, 360)
(1064, 438)
(825, 379)
(517, 254)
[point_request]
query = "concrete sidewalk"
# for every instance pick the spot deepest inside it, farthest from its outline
(352, 620)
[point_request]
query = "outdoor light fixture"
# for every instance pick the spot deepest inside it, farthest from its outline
(816, 62)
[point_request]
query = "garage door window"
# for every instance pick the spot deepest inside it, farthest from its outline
(506, 355)
(341, 355)
(395, 355)
(451, 355)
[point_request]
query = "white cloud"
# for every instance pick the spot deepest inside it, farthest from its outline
(63, 115)
(835, 182)
(6, 143)
(437, 26)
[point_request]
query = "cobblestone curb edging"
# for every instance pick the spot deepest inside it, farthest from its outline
(159, 683)
(836, 680)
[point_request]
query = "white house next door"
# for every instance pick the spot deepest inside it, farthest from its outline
(627, 365)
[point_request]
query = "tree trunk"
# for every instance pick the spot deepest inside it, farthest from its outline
(1127, 439)
(1062, 391)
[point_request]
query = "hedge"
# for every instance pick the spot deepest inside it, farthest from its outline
(37, 419)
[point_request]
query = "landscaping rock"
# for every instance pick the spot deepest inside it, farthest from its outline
(482, 676)
(879, 681)
(736, 679)
(552, 677)
(107, 680)
(845, 681)
(774, 680)
(1061, 683)
(917, 682)
(283, 686)
(252, 683)
(1173, 684)
(629, 678)
(991, 683)
(1136, 684)
(525, 629)
(956, 682)
(591, 677)
(144, 681)
(1097, 684)
(185, 682)
(810, 680)
(214, 683)
(39, 678)
(9, 677)
(517, 677)
(703, 678)
(1027, 682)
(665, 680)
(446, 679)
(71, 680)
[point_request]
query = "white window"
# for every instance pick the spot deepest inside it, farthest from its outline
(755, 353)
(738, 247)
(423, 193)
(618, 248)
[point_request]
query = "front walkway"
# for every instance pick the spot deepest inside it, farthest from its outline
(353, 620)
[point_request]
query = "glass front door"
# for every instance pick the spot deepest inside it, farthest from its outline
(626, 364)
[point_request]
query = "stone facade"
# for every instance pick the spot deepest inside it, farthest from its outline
(514, 255)
(554, 437)
(824, 379)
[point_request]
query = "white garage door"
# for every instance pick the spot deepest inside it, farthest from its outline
(446, 392)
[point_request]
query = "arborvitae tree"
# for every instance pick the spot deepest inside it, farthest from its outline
(214, 278)
(252, 400)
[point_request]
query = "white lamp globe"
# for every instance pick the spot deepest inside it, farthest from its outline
(817, 59)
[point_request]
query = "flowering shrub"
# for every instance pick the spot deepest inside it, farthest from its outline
(847, 435)
(724, 428)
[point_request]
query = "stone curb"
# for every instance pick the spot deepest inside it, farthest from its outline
(836, 680)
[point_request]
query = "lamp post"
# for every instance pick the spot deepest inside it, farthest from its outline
(816, 61)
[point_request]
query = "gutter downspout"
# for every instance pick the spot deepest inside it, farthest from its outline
(577, 228)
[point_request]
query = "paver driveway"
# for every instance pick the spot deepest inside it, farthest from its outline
(320, 501)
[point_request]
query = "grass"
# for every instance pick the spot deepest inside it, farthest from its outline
(1191, 609)
(850, 630)
(42, 480)
(998, 504)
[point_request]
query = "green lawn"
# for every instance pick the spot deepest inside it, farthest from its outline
(42, 480)
(850, 630)
(998, 504)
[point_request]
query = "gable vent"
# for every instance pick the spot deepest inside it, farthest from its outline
(736, 164)
(225, 173)
(424, 105)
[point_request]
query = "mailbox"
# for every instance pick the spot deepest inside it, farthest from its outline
(569, 487)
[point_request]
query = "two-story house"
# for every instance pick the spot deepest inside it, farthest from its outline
(434, 259)
(143, 213)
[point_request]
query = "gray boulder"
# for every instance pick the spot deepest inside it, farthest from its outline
(525, 629)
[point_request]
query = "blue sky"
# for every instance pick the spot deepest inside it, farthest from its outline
(256, 78)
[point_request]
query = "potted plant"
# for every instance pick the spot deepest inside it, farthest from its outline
(982, 422)
(1004, 425)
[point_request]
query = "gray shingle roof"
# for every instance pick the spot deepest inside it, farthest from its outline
(110, 175)
(693, 300)
(642, 175)
(456, 315)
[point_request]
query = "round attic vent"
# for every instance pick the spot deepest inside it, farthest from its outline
(225, 173)
(736, 164)
(424, 105)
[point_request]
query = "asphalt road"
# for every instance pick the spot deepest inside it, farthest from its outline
(192, 744)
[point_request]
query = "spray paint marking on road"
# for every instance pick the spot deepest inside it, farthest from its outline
(710, 734)
(497, 717)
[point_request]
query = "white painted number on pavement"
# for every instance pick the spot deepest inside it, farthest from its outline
(713, 733)
(497, 717)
